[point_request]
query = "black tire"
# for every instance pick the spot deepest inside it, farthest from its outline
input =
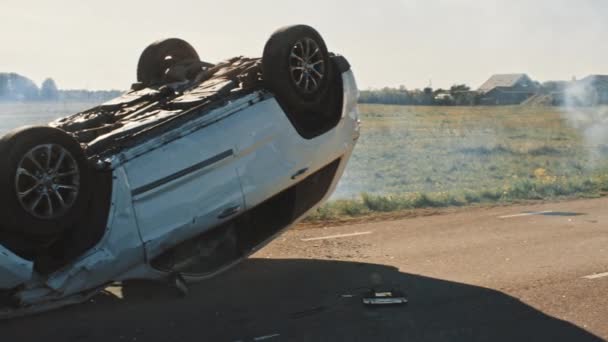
(153, 60)
(281, 73)
(54, 191)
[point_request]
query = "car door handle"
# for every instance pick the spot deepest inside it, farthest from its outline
(299, 173)
(229, 212)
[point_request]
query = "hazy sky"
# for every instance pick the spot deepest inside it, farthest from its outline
(96, 44)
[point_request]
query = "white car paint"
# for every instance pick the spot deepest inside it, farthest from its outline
(154, 206)
(13, 269)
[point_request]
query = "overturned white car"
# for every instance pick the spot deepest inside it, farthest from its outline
(194, 169)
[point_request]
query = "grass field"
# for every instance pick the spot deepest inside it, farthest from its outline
(411, 157)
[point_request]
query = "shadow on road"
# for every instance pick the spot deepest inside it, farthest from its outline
(298, 300)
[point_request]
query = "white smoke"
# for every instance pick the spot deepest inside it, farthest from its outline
(582, 111)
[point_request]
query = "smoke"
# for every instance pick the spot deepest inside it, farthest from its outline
(583, 111)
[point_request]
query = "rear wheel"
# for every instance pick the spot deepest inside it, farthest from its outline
(161, 55)
(45, 180)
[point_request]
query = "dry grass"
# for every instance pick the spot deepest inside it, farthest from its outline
(412, 157)
(431, 157)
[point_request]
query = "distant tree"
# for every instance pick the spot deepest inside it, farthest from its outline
(462, 95)
(438, 91)
(14, 87)
(459, 88)
(427, 98)
(3, 86)
(459, 94)
(49, 91)
(387, 95)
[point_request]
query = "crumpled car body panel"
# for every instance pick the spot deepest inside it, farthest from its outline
(13, 269)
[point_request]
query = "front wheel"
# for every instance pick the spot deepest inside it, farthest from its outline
(296, 66)
(299, 71)
(44, 179)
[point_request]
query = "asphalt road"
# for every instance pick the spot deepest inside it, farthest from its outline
(497, 274)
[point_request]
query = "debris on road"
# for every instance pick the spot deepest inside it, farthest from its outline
(380, 297)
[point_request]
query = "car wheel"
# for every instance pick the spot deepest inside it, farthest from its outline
(296, 67)
(159, 56)
(44, 177)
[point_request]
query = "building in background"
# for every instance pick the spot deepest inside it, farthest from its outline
(507, 89)
(596, 89)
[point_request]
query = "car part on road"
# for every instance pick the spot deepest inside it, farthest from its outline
(385, 297)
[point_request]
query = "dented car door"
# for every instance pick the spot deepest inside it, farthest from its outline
(185, 187)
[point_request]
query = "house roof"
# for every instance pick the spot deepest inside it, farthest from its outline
(501, 80)
(595, 79)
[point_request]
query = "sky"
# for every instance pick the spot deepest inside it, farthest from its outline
(96, 44)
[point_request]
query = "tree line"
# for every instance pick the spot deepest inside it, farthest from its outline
(457, 95)
(15, 87)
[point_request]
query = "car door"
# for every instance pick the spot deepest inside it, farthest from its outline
(271, 156)
(185, 187)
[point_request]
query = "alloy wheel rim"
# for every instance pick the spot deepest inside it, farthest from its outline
(47, 181)
(307, 65)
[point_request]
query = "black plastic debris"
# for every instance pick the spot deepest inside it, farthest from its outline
(385, 297)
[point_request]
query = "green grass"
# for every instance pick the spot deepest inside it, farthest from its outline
(421, 157)
(368, 204)
(429, 157)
